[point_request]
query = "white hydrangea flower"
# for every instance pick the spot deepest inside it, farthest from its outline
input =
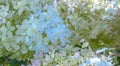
(77, 55)
(94, 60)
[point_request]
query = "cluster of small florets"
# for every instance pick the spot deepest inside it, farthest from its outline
(69, 56)
(4, 13)
(38, 29)
(34, 33)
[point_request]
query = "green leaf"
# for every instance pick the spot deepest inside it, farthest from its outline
(15, 63)
(85, 45)
(2, 60)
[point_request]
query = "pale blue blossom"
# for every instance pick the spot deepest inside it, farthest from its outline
(104, 63)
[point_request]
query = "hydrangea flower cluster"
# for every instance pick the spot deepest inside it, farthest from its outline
(40, 23)
(90, 25)
(69, 56)
(42, 27)
(51, 32)
(4, 13)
